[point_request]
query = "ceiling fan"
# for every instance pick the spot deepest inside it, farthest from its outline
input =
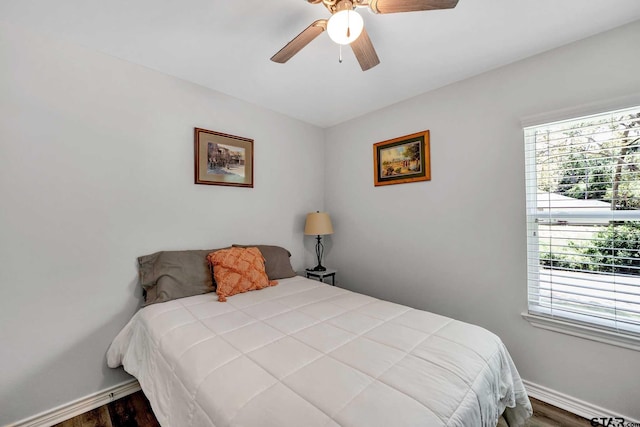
(345, 26)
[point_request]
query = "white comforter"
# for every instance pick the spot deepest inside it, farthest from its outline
(303, 353)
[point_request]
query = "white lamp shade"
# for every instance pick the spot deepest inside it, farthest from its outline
(340, 22)
(318, 223)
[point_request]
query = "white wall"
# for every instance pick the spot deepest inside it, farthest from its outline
(456, 245)
(96, 168)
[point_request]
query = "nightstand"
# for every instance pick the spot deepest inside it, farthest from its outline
(320, 275)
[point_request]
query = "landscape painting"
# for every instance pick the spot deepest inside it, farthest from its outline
(402, 160)
(222, 159)
(225, 160)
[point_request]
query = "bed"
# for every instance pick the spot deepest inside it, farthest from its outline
(304, 353)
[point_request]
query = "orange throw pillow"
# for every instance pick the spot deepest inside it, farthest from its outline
(238, 270)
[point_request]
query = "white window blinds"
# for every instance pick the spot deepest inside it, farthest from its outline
(583, 220)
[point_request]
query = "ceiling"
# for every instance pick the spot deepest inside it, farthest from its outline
(226, 44)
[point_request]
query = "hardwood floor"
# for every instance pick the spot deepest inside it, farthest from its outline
(130, 411)
(134, 411)
(545, 415)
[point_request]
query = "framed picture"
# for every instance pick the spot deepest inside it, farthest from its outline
(223, 159)
(402, 160)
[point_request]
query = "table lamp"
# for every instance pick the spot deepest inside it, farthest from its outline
(318, 224)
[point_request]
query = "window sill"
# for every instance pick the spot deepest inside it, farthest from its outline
(583, 331)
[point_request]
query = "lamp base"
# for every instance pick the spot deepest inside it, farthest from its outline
(317, 268)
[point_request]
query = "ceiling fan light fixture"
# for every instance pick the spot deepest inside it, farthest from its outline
(345, 26)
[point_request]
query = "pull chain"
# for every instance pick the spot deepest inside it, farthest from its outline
(340, 57)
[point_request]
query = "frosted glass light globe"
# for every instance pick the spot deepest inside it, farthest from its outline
(340, 22)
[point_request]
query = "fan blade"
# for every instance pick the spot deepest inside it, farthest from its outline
(364, 51)
(301, 40)
(395, 6)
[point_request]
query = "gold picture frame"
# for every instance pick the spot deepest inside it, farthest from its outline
(222, 159)
(402, 160)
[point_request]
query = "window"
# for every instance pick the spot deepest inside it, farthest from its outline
(583, 221)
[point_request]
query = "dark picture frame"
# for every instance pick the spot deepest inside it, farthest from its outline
(402, 160)
(223, 159)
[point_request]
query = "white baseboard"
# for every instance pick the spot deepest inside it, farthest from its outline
(95, 400)
(571, 404)
(80, 406)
